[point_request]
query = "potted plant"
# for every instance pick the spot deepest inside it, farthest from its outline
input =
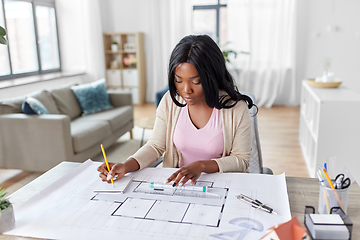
(2, 36)
(7, 218)
(226, 54)
(114, 46)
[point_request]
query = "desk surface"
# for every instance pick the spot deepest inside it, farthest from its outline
(301, 191)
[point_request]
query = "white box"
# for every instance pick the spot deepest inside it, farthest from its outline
(135, 95)
(113, 78)
(129, 47)
(130, 78)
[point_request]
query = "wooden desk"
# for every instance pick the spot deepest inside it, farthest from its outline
(301, 191)
(305, 192)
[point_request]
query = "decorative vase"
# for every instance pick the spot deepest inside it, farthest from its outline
(114, 64)
(7, 219)
(114, 47)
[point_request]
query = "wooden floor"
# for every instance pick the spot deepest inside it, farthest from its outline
(278, 131)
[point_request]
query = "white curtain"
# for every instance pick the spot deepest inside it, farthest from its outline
(93, 41)
(265, 29)
(170, 22)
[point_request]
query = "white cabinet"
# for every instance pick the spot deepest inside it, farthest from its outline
(113, 78)
(135, 95)
(130, 78)
(134, 92)
(126, 69)
(329, 126)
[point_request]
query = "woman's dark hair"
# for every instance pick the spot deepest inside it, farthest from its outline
(202, 52)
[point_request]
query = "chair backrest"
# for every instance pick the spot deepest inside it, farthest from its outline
(256, 163)
(160, 94)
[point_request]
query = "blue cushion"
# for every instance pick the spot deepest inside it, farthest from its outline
(33, 106)
(92, 97)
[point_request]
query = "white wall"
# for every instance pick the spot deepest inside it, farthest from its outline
(315, 41)
(70, 35)
(21, 90)
(106, 13)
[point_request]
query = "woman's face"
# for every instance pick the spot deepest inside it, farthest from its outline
(188, 84)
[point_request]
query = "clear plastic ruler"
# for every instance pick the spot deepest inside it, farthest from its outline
(146, 187)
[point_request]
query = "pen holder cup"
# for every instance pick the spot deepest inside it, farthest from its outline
(329, 198)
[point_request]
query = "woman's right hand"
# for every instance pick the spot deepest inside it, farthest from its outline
(118, 169)
(115, 169)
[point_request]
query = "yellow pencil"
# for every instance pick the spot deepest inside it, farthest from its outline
(332, 187)
(326, 202)
(321, 179)
(106, 161)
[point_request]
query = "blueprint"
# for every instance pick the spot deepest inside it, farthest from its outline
(69, 208)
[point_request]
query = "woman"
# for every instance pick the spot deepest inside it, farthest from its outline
(202, 122)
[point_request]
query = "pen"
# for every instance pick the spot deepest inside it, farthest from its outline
(159, 186)
(107, 164)
(320, 178)
(255, 203)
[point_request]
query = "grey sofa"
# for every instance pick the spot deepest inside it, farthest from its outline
(39, 142)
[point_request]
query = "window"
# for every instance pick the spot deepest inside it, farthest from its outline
(32, 38)
(209, 17)
(4, 58)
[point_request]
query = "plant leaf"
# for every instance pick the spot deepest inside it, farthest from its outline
(2, 31)
(1, 191)
(2, 194)
(4, 205)
(3, 40)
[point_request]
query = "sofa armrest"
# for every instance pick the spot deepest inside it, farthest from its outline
(119, 99)
(34, 142)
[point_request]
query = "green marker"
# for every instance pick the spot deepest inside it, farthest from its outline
(161, 187)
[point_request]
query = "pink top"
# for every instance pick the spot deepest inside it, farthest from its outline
(198, 144)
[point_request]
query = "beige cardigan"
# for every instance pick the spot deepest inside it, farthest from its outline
(236, 131)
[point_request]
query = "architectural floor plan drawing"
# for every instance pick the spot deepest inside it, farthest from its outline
(176, 205)
(69, 208)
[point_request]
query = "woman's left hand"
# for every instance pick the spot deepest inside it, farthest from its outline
(188, 172)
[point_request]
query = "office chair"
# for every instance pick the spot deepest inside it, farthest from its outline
(160, 94)
(256, 163)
